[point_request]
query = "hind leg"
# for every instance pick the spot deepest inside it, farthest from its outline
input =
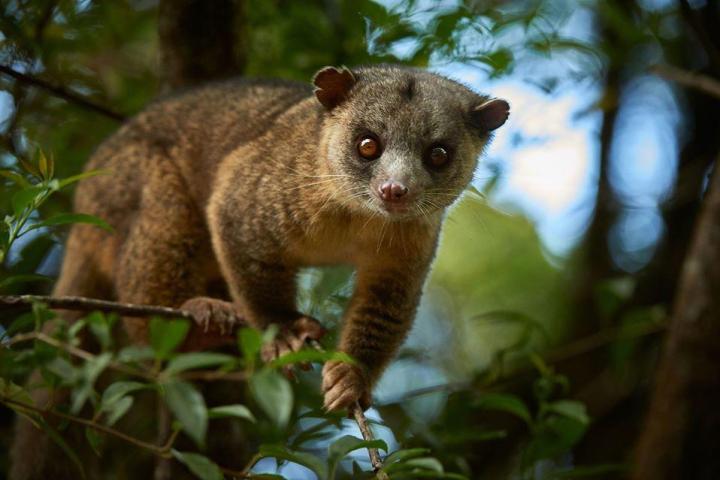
(165, 261)
(166, 255)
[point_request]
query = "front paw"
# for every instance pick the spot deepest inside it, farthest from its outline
(215, 323)
(292, 337)
(344, 384)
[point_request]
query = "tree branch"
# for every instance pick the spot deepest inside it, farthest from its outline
(90, 304)
(62, 92)
(83, 304)
(682, 428)
(697, 81)
(368, 436)
(694, 21)
(156, 449)
(162, 451)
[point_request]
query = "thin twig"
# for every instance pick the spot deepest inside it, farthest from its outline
(193, 375)
(572, 350)
(77, 352)
(91, 304)
(162, 451)
(62, 92)
(698, 81)
(359, 415)
(157, 450)
(367, 435)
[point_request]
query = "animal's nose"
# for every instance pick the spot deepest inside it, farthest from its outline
(392, 191)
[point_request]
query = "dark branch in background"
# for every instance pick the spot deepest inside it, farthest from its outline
(19, 89)
(681, 438)
(90, 304)
(61, 92)
(692, 18)
(201, 41)
(697, 81)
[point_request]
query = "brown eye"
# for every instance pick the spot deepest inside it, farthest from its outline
(437, 156)
(369, 148)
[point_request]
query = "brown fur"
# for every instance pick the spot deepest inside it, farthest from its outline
(248, 181)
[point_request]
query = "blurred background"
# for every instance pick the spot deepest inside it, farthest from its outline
(557, 271)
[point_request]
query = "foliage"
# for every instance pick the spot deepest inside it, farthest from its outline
(494, 299)
(104, 386)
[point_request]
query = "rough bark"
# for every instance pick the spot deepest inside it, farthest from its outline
(200, 40)
(681, 438)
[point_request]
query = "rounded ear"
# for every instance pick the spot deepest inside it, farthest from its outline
(490, 115)
(332, 86)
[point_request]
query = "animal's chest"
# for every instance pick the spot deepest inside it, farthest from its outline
(340, 243)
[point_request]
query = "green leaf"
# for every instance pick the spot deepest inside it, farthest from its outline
(43, 165)
(89, 372)
(301, 458)
(118, 390)
(94, 439)
(194, 360)
(571, 409)
(21, 323)
(25, 197)
(167, 335)
(402, 455)
(101, 327)
(236, 411)
(426, 463)
(346, 444)
(414, 474)
(415, 465)
(135, 353)
(505, 403)
(11, 391)
(67, 218)
(320, 431)
(269, 334)
(74, 330)
(200, 465)
(553, 436)
(188, 406)
(14, 177)
(29, 167)
(249, 343)
(63, 369)
(118, 409)
(274, 395)
(310, 356)
(75, 178)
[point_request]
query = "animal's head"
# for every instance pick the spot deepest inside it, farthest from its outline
(402, 142)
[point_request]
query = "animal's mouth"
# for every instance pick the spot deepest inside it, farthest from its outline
(396, 207)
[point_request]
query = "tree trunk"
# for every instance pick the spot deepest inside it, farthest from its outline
(201, 40)
(681, 438)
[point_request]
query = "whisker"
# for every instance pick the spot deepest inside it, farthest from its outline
(321, 182)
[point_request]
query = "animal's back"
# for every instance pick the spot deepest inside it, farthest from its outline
(193, 129)
(182, 138)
